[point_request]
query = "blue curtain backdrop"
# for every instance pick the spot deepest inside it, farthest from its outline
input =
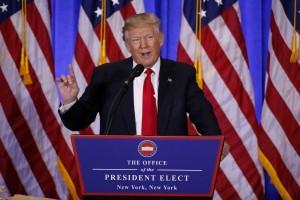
(255, 23)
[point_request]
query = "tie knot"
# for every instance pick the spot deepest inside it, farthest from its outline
(149, 71)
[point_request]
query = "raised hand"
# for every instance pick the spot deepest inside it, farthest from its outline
(68, 87)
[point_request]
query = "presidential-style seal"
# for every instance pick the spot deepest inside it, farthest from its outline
(147, 148)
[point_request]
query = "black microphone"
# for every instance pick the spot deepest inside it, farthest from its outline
(136, 71)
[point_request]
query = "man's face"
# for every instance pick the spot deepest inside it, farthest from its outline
(144, 44)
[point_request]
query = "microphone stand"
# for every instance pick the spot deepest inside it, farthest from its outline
(117, 99)
(115, 103)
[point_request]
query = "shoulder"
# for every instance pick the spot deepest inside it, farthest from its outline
(113, 70)
(113, 66)
(118, 67)
(178, 67)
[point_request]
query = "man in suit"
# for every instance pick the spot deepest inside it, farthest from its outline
(176, 92)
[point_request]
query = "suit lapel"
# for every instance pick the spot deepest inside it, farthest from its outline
(128, 111)
(127, 105)
(165, 95)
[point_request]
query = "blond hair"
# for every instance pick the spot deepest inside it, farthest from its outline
(139, 20)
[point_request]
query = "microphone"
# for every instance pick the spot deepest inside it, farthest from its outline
(136, 71)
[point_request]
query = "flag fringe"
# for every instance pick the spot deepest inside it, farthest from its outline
(102, 53)
(67, 179)
(197, 51)
(24, 63)
(293, 57)
(199, 77)
(274, 176)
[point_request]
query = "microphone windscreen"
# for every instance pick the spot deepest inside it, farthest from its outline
(135, 72)
(139, 68)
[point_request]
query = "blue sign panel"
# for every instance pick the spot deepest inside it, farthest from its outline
(157, 166)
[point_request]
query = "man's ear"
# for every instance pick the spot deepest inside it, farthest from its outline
(161, 39)
(127, 45)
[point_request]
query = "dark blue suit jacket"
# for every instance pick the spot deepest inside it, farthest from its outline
(178, 94)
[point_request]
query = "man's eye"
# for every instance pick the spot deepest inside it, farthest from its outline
(149, 37)
(135, 40)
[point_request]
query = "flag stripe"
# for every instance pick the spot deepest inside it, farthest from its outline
(42, 106)
(116, 54)
(83, 58)
(232, 80)
(182, 55)
(18, 159)
(231, 19)
(228, 86)
(7, 169)
(116, 22)
(283, 85)
(5, 191)
(229, 76)
(283, 116)
(279, 18)
(40, 31)
(138, 6)
(26, 141)
(245, 162)
(127, 11)
(222, 179)
(21, 133)
(225, 188)
(46, 106)
(283, 53)
(280, 141)
(286, 73)
(284, 175)
(31, 110)
(44, 9)
(81, 81)
(279, 138)
(229, 54)
(89, 37)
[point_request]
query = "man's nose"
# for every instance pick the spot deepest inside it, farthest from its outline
(143, 43)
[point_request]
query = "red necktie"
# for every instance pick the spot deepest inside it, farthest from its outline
(149, 118)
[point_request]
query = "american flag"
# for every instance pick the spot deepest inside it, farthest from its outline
(227, 84)
(88, 45)
(32, 137)
(279, 141)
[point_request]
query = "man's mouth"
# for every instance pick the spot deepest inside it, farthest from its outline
(145, 54)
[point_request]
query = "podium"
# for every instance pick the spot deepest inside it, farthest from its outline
(154, 166)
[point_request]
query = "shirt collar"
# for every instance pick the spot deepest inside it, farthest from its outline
(155, 67)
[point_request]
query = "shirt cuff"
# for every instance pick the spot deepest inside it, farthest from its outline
(64, 108)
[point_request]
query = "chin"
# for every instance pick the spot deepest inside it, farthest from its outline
(145, 64)
(148, 64)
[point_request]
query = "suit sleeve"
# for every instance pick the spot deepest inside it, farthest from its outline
(200, 110)
(84, 111)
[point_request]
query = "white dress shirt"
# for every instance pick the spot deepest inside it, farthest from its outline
(138, 84)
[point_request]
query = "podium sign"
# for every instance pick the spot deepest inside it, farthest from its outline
(147, 166)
